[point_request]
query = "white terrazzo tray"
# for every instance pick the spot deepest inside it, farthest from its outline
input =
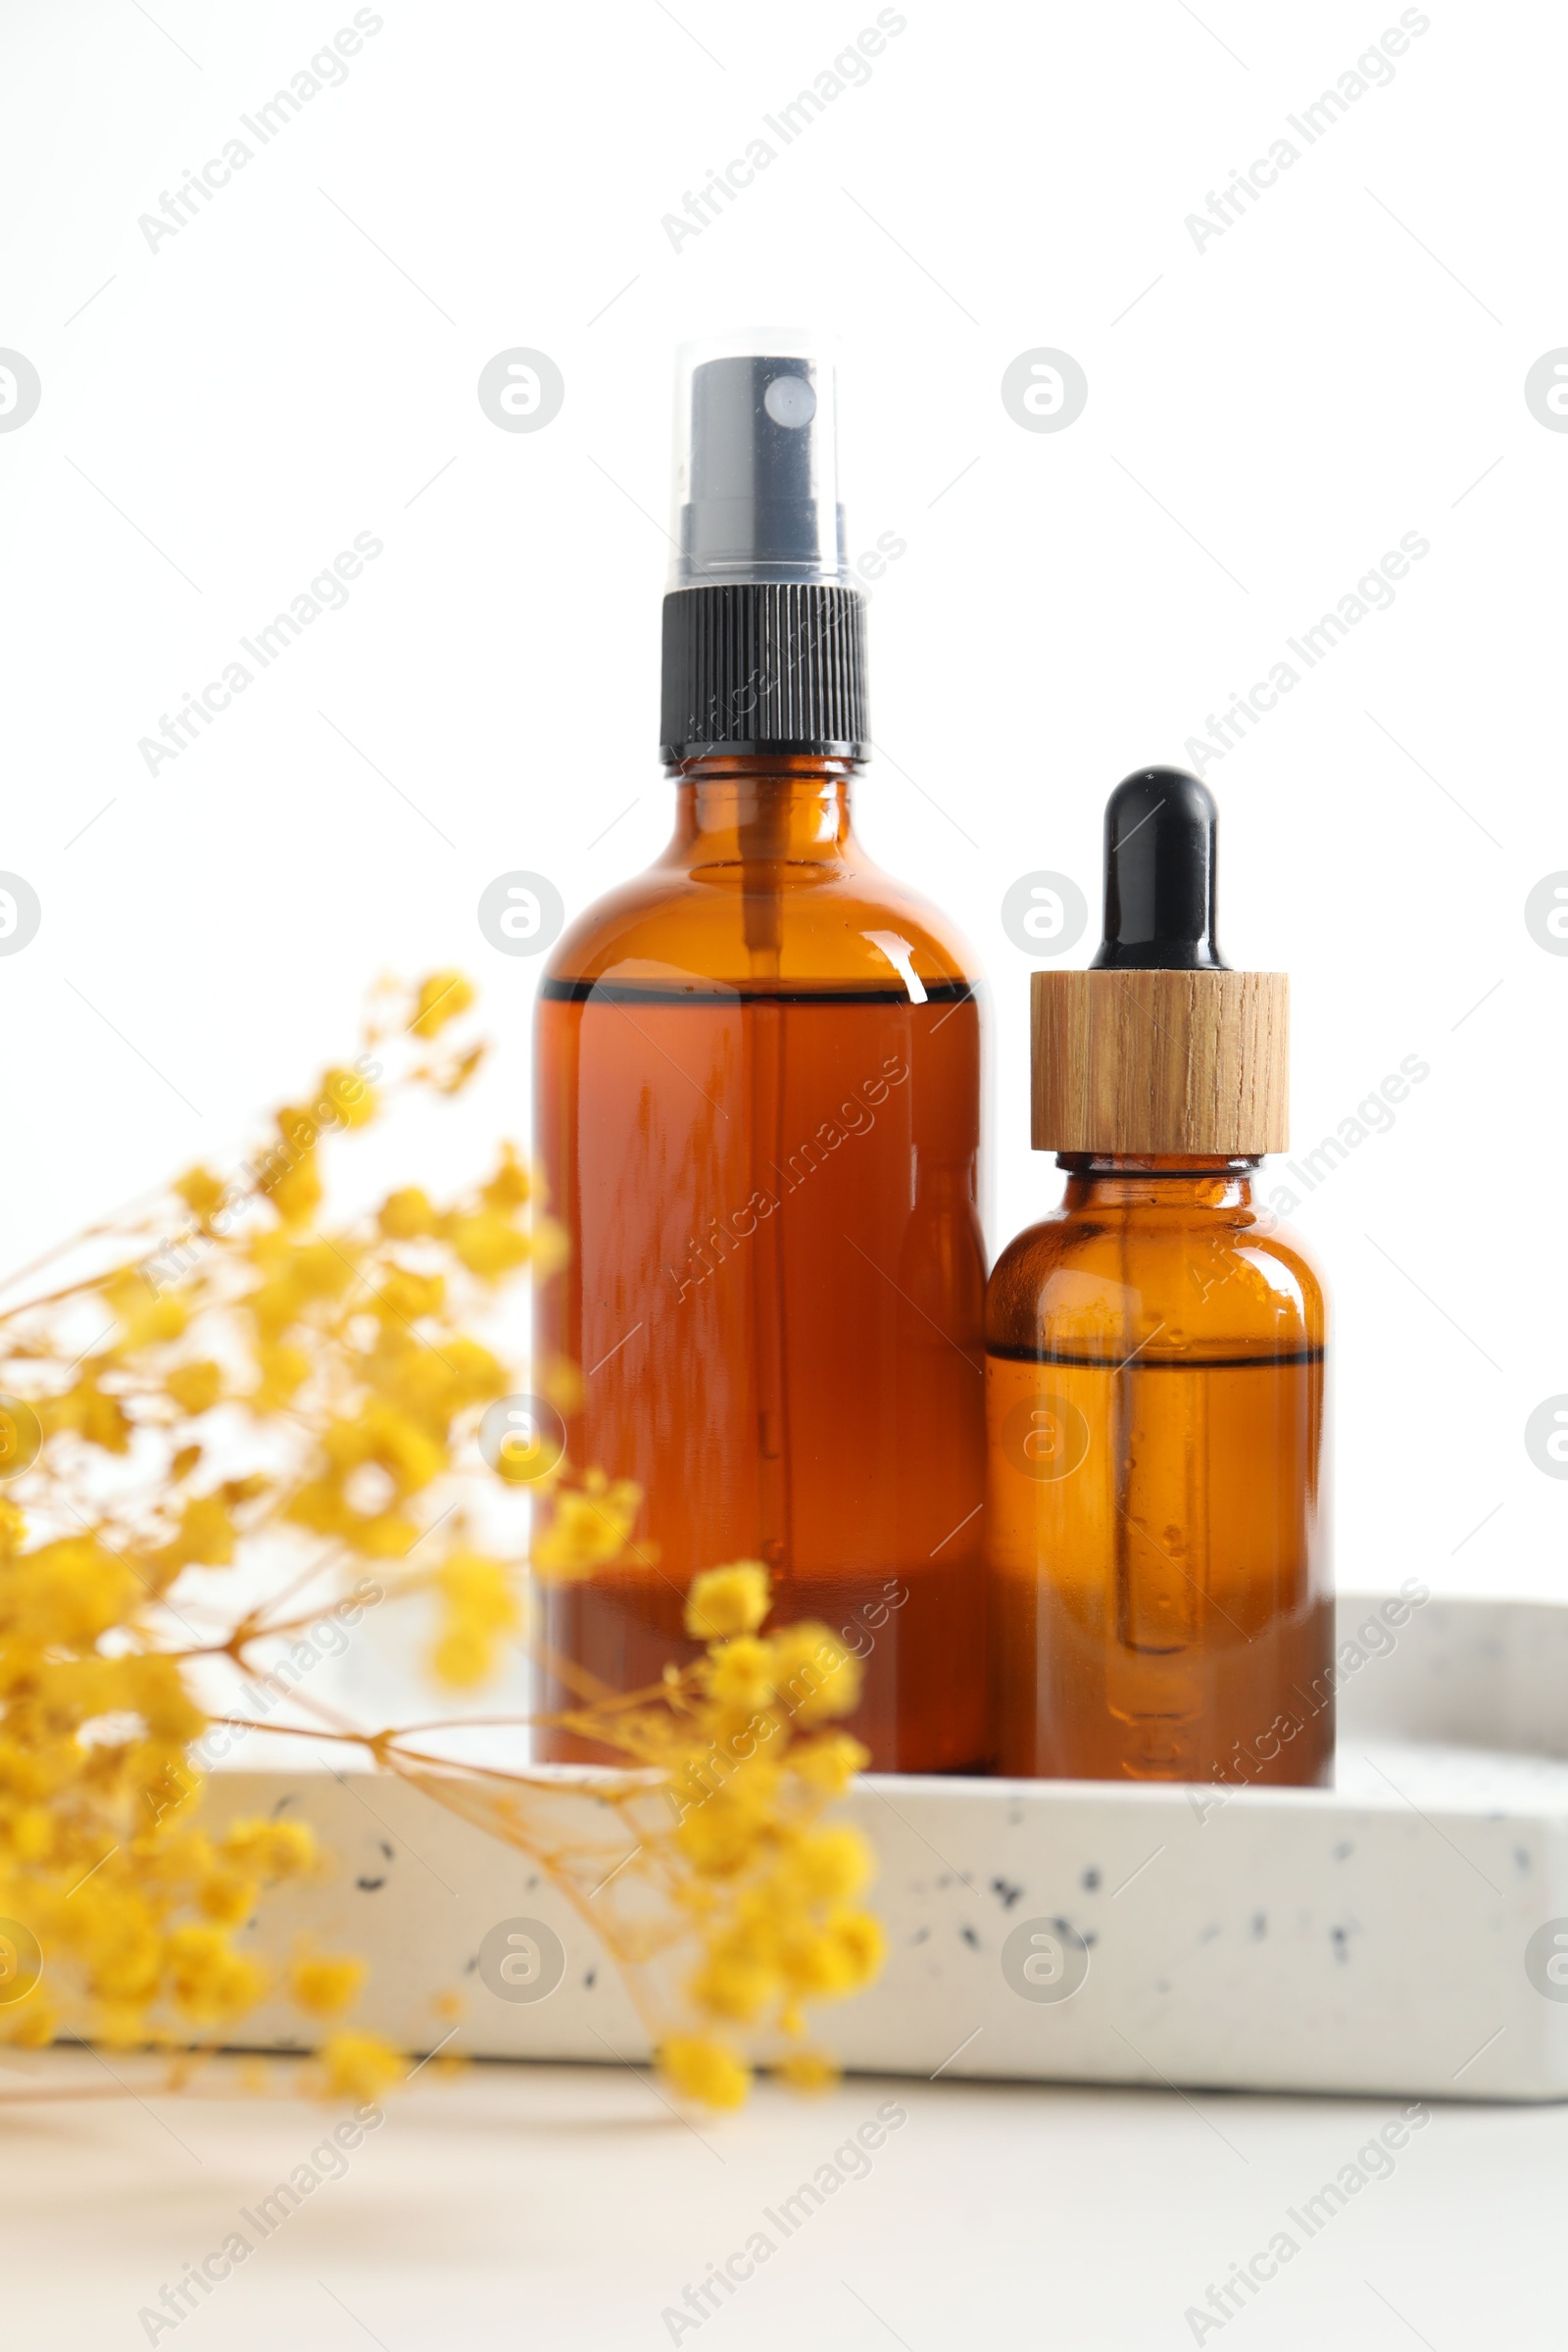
(1395, 1934)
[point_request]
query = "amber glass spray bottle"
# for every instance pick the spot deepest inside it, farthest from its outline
(758, 1113)
(1154, 1361)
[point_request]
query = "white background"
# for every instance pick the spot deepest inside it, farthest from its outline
(512, 2209)
(1266, 417)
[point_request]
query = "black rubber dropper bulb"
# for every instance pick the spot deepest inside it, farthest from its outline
(1159, 876)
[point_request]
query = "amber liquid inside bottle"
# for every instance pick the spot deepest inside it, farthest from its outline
(758, 1113)
(1156, 1522)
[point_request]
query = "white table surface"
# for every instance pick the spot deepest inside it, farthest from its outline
(545, 2207)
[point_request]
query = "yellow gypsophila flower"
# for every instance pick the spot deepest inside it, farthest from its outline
(325, 1982)
(808, 2071)
(702, 2069)
(441, 999)
(588, 1528)
(824, 1865)
(727, 1600)
(830, 1763)
(352, 1096)
(817, 1677)
(742, 1672)
(360, 2065)
(209, 1981)
(481, 1607)
(348, 1365)
(272, 1849)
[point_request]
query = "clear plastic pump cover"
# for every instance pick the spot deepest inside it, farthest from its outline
(757, 465)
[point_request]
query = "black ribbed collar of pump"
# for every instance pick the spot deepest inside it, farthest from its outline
(763, 667)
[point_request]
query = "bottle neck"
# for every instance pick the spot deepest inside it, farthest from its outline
(743, 808)
(1124, 1181)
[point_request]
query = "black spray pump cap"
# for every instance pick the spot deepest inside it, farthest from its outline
(756, 472)
(1160, 875)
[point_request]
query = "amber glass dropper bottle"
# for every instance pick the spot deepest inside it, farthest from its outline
(1154, 1361)
(758, 1113)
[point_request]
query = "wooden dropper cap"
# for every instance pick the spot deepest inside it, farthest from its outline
(1160, 1050)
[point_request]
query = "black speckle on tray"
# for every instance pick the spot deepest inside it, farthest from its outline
(1345, 1849)
(386, 1850)
(1259, 1925)
(970, 1937)
(1163, 1986)
(1006, 1893)
(1091, 1940)
(919, 1935)
(1340, 1937)
(1209, 1933)
(469, 1966)
(532, 1882)
(1522, 1861)
(282, 1803)
(1091, 1880)
(588, 1979)
(369, 1886)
